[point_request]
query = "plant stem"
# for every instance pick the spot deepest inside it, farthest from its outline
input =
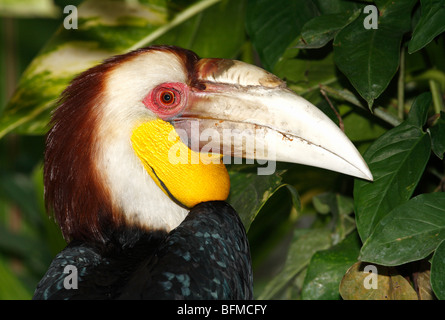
(437, 97)
(340, 120)
(401, 85)
(9, 62)
(349, 97)
(180, 18)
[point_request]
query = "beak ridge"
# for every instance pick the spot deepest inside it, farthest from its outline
(250, 112)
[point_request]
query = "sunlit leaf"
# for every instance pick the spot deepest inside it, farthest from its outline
(123, 26)
(29, 8)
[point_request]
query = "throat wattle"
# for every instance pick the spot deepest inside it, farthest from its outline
(177, 170)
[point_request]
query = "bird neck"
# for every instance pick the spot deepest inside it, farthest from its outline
(127, 241)
(133, 192)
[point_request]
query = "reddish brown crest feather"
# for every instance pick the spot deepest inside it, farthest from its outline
(73, 186)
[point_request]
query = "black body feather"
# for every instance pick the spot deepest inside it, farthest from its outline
(206, 257)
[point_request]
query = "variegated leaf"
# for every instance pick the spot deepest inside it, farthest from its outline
(104, 28)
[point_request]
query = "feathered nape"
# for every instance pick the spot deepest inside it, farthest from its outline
(72, 188)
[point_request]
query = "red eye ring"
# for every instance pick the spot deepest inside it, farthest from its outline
(167, 100)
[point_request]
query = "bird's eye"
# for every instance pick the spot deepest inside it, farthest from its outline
(167, 100)
(167, 97)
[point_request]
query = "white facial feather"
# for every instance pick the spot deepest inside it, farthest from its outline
(131, 188)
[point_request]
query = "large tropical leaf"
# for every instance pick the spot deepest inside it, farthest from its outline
(410, 232)
(438, 271)
(304, 244)
(105, 28)
(29, 8)
(397, 160)
(370, 57)
(327, 268)
(274, 24)
(430, 24)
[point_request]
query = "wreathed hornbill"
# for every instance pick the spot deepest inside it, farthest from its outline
(143, 220)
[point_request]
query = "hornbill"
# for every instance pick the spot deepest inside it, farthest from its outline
(135, 177)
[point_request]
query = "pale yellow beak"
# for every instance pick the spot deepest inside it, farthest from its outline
(248, 112)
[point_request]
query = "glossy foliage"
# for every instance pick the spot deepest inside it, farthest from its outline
(313, 233)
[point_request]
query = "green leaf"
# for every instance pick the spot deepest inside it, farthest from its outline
(274, 24)
(51, 232)
(124, 26)
(370, 58)
(335, 6)
(29, 8)
(327, 268)
(359, 129)
(250, 191)
(438, 271)
(332, 202)
(304, 74)
(304, 244)
(12, 288)
(419, 110)
(430, 24)
(318, 31)
(18, 189)
(438, 136)
(346, 95)
(408, 233)
(397, 160)
(217, 32)
(340, 207)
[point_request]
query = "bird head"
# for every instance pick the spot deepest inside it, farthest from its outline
(139, 139)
